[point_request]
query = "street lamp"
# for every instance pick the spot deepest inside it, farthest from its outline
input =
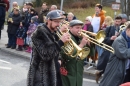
(61, 6)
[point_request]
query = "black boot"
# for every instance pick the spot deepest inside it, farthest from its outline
(8, 46)
(13, 47)
(19, 48)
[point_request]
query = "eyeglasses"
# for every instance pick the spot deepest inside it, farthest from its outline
(86, 20)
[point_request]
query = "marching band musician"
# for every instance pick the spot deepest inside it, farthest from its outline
(118, 67)
(111, 34)
(44, 67)
(72, 68)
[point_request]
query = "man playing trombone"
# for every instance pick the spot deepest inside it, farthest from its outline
(72, 65)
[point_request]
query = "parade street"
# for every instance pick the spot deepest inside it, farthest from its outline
(13, 71)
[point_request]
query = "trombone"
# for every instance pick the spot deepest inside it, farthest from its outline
(99, 37)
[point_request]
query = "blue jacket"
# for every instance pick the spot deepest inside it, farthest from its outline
(21, 32)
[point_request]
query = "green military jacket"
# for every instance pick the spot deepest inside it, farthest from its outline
(74, 67)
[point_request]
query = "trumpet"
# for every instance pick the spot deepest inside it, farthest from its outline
(99, 37)
(72, 49)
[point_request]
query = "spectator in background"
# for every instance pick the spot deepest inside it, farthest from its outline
(53, 7)
(43, 13)
(99, 13)
(20, 37)
(27, 19)
(31, 29)
(107, 22)
(4, 6)
(70, 16)
(33, 12)
(23, 10)
(15, 5)
(88, 27)
(29, 5)
(99, 16)
(13, 25)
(124, 18)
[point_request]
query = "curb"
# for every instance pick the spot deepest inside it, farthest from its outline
(90, 72)
(12, 52)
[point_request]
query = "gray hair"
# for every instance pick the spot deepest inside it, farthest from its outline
(54, 6)
(71, 14)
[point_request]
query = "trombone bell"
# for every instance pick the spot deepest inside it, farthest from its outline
(100, 36)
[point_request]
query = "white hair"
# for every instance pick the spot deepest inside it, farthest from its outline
(70, 14)
(54, 6)
(15, 2)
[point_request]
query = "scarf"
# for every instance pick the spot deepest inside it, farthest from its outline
(86, 26)
(126, 38)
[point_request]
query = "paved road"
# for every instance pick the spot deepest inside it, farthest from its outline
(13, 71)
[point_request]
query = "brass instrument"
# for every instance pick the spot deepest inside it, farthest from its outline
(100, 34)
(122, 27)
(99, 37)
(71, 47)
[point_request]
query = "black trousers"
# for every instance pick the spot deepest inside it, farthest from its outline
(102, 61)
(11, 40)
(127, 76)
(0, 34)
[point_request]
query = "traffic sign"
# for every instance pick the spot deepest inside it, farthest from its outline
(116, 6)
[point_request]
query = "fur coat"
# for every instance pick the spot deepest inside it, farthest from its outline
(44, 67)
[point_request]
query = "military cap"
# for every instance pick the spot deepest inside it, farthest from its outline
(54, 14)
(75, 22)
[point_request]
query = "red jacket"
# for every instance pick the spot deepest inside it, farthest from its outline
(5, 3)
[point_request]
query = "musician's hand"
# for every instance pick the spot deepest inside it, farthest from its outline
(113, 37)
(83, 42)
(88, 42)
(116, 34)
(65, 37)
